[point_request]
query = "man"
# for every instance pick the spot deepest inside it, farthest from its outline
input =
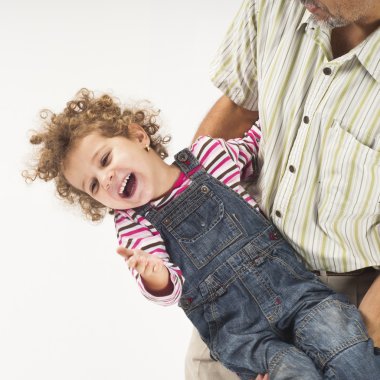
(311, 68)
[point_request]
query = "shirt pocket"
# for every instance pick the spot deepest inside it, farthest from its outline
(202, 227)
(348, 205)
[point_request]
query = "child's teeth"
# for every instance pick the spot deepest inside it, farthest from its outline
(124, 183)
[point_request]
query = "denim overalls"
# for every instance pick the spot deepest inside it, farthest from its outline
(251, 298)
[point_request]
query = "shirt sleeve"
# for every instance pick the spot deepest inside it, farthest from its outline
(135, 232)
(230, 161)
(233, 69)
(244, 151)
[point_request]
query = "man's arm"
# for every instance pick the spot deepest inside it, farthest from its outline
(226, 120)
(370, 309)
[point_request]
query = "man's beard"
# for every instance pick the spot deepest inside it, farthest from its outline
(329, 21)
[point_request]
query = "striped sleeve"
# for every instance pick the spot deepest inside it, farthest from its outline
(135, 232)
(234, 69)
(245, 150)
(230, 161)
(226, 159)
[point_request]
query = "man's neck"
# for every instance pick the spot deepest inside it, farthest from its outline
(348, 37)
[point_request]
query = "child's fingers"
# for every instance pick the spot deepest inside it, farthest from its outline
(125, 252)
(149, 267)
(153, 266)
(158, 267)
(131, 262)
(141, 263)
(138, 263)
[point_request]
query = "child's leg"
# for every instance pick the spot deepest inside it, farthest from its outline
(334, 336)
(355, 362)
(292, 363)
(243, 340)
(283, 361)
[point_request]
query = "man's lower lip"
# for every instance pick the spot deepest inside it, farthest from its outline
(312, 8)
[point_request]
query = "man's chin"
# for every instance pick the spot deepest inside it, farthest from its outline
(330, 22)
(321, 15)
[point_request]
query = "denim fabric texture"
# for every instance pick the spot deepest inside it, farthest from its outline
(248, 293)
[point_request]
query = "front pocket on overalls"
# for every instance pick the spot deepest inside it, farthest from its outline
(202, 227)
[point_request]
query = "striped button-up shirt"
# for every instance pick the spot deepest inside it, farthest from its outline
(320, 119)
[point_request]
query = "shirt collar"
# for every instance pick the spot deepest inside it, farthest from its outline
(368, 52)
(306, 19)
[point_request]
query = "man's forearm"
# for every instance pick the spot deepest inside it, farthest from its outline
(227, 120)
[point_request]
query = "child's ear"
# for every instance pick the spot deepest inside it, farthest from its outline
(138, 133)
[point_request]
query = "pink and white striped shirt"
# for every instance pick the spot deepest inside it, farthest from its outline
(228, 161)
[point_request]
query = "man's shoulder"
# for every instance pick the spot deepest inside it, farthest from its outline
(276, 6)
(277, 12)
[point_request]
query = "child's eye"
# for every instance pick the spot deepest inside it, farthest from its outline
(93, 186)
(104, 160)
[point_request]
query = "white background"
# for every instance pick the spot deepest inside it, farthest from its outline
(69, 308)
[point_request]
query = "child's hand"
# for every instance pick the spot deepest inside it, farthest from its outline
(143, 262)
(152, 270)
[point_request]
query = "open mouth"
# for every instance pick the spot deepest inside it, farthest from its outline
(128, 186)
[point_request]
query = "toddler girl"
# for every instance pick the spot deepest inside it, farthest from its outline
(191, 234)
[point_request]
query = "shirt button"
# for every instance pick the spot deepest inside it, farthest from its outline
(327, 71)
(306, 119)
(292, 169)
(278, 214)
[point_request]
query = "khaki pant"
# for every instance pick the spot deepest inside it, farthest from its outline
(199, 365)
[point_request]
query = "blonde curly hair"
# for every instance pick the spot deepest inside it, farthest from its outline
(83, 115)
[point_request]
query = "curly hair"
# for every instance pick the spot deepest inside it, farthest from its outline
(83, 115)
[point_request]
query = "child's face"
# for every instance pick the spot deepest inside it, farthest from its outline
(118, 172)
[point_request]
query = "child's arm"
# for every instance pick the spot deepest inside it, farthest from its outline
(136, 235)
(153, 272)
(217, 154)
(245, 150)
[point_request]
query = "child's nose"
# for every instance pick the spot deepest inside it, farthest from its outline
(107, 180)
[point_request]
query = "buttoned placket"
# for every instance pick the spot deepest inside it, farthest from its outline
(320, 85)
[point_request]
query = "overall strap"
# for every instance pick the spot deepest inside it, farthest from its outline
(188, 163)
(189, 166)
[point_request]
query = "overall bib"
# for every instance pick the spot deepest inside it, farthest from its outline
(249, 295)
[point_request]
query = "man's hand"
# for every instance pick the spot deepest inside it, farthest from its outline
(154, 274)
(370, 310)
(262, 377)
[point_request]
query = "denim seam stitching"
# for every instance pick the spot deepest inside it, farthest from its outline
(277, 358)
(236, 233)
(325, 358)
